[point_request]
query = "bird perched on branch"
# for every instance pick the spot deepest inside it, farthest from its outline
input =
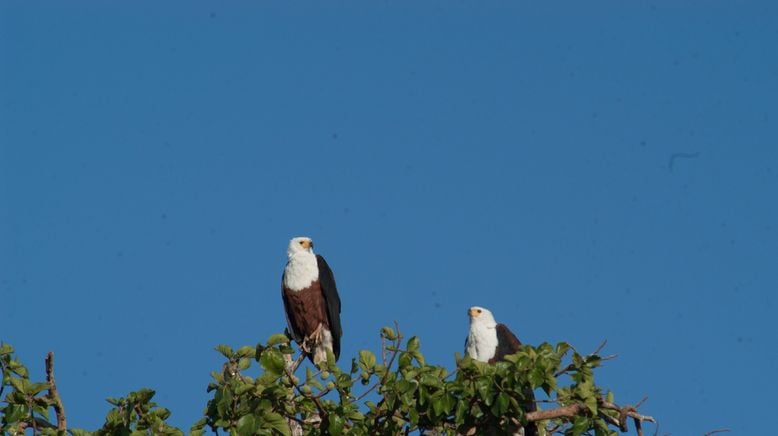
(490, 342)
(311, 301)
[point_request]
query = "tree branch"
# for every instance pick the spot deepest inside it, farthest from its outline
(59, 408)
(579, 409)
(292, 421)
(718, 430)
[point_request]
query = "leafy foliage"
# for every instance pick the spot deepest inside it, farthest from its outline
(136, 414)
(394, 393)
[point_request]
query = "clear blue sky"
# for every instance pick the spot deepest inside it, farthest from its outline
(155, 159)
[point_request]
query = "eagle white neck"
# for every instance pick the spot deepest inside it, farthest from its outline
(482, 341)
(300, 271)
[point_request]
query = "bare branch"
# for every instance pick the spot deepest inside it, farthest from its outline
(296, 364)
(637, 426)
(560, 412)
(59, 408)
(718, 430)
(600, 347)
(579, 409)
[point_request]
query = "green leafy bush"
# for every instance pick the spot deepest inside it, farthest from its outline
(396, 392)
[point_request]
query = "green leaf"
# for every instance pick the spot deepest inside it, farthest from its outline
(500, 405)
(413, 344)
(258, 351)
(113, 401)
(272, 361)
(536, 377)
(278, 338)
(37, 387)
(316, 383)
(244, 362)
(42, 410)
(331, 361)
(431, 380)
(580, 425)
(389, 333)
(413, 416)
(367, 360)
(438, 406)
(246, 351)
(483, 386)
(247, 425)
(226, 350)
(14, 412)
(335, 424)
(223, 402)
(243, 388)
(19, 385)
(199, 424)
(418, 356)
(461, 411)
(577, 360)
(162, 413)
(277, 423)
(144, 395)
(18, 369)
(591, 404)
(5, 349)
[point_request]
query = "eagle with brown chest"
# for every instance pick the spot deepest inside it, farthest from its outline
(311, 301)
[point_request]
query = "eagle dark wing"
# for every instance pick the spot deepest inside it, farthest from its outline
(508, 343)
(332, 299)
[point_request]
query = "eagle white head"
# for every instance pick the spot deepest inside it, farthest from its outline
(481, 318)
(301, 269)
(300, 244)
(481, 341)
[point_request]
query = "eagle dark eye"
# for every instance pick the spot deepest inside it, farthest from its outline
(479, 311)
(301, 242)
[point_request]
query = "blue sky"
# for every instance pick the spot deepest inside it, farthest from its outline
(587, 171)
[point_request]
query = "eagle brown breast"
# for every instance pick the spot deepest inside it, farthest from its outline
(306, 309)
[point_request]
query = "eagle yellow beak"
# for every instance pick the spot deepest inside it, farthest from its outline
(307, 243)
(472, 312)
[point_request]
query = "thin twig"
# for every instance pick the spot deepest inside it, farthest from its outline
(383, 349)
(718, 430)
(638, 426)
(59, 408)
(594, 353)
(2, 371)
(33, 421)
(296, 364)
(609, 419)
(297, 388)
(600, 347)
